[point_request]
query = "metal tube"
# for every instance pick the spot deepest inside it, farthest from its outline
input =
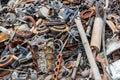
(97, 34)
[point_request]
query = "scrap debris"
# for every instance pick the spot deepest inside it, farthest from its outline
(59, 39)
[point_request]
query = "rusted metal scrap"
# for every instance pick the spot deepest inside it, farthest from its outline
(59, 39)
(6, 60)
(89, 54)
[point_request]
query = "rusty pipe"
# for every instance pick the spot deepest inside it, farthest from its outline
(97, 30)
(97, 34)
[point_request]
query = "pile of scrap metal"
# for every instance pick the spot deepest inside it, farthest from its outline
(59, 39)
